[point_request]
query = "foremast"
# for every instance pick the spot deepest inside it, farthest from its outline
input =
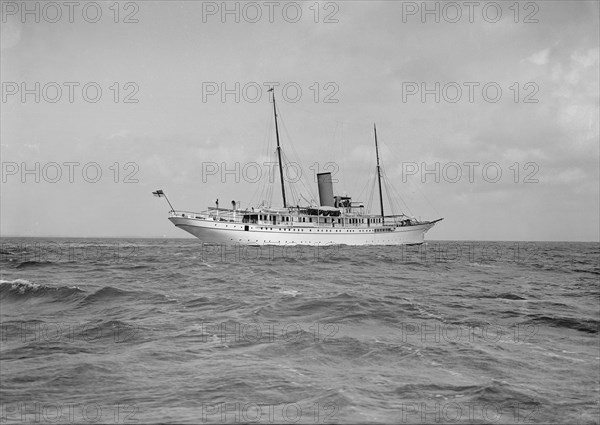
(379, 175)
(279, 151)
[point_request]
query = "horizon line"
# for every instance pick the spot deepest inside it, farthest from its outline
(193, 238)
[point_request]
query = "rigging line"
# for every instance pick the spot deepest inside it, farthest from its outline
(301, 182)
(294, 192)
(270, 195)
(299, 162)
(264, 184)
(371, 195)
(421, 193)
(273, 183)
(392, 187)
(342, 155)
(290, 185)
(268, 156)
(267, 184)
(364, 189)
(370, 183)
(388, 185)
(266, 147)
(385, 189)
(304, 173)
(291, 142)
(397, 194)
(428, 201)
(403, 202)
(256, 191)
(393, 193)
(296, 197)
(370, 175)
(397, 200)
(390, 198)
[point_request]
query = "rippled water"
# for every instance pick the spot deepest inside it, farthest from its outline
(119, 331)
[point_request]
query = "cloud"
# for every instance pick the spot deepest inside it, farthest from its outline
(540, 58)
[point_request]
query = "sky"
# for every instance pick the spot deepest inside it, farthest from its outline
(488, 118)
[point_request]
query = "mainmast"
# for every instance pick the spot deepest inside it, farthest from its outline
(279, 151)
(378, 174)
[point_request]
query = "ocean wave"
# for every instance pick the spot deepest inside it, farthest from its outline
(584, 325)
(594, 270)
(494, 393)
(33, 264)
(501, 393)
(339, 304)
(505, 296)
(110, 293)
(21, 288)
(198, 302)
(116, 330)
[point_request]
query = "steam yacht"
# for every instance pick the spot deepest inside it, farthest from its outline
(335, 220)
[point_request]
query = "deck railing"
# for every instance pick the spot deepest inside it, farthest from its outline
(237, 216)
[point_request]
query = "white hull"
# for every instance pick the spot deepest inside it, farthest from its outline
(223, 232)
